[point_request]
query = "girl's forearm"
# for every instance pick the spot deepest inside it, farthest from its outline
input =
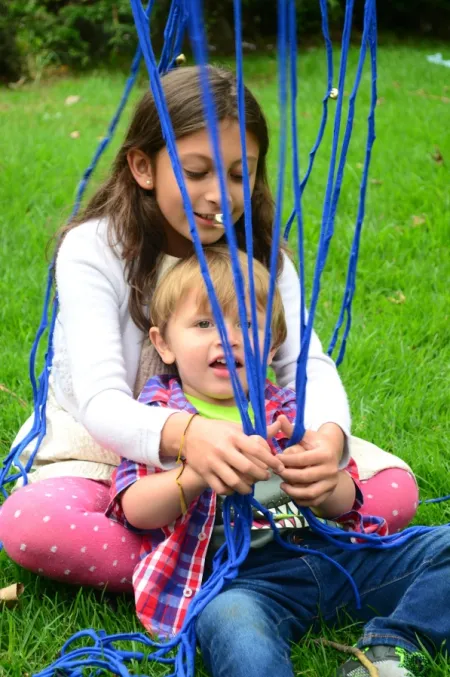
(154, 501)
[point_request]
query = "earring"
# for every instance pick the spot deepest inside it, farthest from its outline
(148, 182)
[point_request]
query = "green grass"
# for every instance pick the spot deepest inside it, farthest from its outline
(396, 368)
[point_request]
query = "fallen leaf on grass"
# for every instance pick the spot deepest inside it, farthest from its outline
(398, 298)
(359, 165)
(18, 84)
(376, 182)
(10, 595)
(74, 98)
(75, 134)
(418, 220)
(380, 100)
(4, 389)
(437, 156)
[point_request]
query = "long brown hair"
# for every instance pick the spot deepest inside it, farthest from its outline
(135, 222)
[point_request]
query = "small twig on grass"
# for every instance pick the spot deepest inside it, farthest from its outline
(370, 667)
(10, 392)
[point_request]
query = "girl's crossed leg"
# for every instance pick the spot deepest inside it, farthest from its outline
(57, 527)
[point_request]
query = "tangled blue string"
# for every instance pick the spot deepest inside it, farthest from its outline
(102, 653)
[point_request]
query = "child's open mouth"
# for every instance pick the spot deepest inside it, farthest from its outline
(220, 365)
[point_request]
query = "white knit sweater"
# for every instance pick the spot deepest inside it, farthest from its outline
(93, 417)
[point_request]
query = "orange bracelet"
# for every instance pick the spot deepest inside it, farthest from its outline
(182, 460)
(184, 506)
(183, 437)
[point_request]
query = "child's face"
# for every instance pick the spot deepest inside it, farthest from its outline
(192, 341)
(202, 183)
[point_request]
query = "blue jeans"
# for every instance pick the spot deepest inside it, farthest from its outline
(247, 630)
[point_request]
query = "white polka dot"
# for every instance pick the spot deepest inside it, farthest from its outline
(394, 485)
(48, 495)
(112, 524)
(115, 562)
(123, 580)
(40, 571)
(95, 528)
(101, 584)
(85, 514)
(46, 518)
(83, 549)
(73, 496)
(395, 513)
(92, 569)
(68, 507)
(415, 505)
(17, 513)
(28, 491)
(369, 496)
(132, 555)
(124, 539)
(54, 548)
(23, 547)
(73, 526)
(105, 546)
(67, 572)
(61, 489)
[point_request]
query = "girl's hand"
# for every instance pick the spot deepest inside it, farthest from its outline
(226, 458)
(312, 467)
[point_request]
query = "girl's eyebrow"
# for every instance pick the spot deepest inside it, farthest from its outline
(207, 158)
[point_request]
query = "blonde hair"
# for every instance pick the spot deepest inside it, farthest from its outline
(186, 276)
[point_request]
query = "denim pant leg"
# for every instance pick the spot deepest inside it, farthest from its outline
(247, 630)
(405, 591)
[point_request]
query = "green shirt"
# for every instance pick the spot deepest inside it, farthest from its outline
(218, 411)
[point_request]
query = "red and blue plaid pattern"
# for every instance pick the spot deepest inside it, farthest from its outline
(172, 559)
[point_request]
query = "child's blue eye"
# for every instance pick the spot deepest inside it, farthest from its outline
(204, 324)
(249, 324)
(237, 177)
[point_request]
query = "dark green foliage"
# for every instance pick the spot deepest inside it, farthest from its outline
(37, 34)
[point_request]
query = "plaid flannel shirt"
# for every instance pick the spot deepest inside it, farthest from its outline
(172, 559)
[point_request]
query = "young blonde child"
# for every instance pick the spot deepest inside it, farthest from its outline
(107, 267)
(278, 594)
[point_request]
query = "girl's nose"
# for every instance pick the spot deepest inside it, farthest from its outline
(213, 194)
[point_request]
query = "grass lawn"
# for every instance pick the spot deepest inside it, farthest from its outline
(396, 368)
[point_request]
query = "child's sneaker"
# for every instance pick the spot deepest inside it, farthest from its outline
(391, 661)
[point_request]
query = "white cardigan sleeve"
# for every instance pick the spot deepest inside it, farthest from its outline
(326, 400)
(93, 298)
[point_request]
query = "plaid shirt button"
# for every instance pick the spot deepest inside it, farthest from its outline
(187, 592)
(202, 536)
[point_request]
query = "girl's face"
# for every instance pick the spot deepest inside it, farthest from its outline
(202, 184)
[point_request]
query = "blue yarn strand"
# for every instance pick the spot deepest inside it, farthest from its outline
(369, 37)
(325, 100)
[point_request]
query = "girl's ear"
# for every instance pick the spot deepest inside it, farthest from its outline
(161, 346)
(141, 168)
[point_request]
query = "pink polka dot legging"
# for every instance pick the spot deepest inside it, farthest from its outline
(57, 527)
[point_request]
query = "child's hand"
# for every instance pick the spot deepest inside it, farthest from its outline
(226, 458)
(312, 467)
